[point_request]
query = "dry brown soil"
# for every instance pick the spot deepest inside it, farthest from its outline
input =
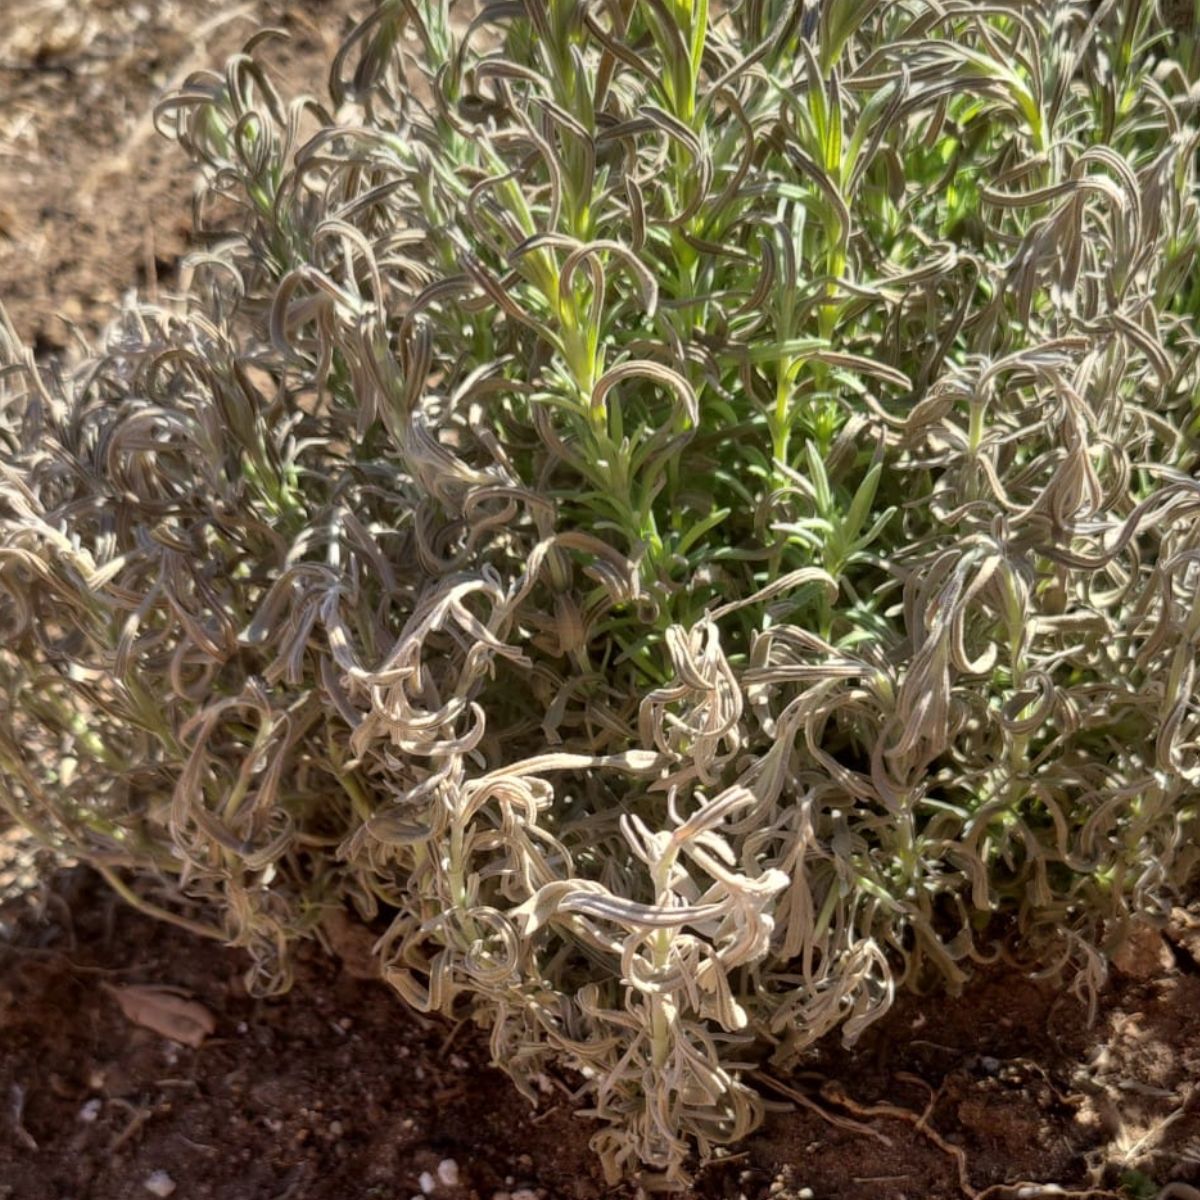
(93, 201)
(336, 1091)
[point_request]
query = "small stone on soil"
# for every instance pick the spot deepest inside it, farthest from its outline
(159, 1183)
(448, 1172)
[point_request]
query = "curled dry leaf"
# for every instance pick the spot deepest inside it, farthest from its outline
(165, 1010)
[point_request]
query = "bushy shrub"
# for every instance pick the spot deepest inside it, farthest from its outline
(685, 516)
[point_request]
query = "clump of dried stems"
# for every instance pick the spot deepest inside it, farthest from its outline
(686, 516)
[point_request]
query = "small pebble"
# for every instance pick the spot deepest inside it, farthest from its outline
(91, 1110)
(805, 1194)
(524, 1194)
(448, 1172)
(336, 1129)
(426, 1183)
(159, 1183)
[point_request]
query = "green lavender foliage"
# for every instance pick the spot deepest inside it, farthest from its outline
(684, 515)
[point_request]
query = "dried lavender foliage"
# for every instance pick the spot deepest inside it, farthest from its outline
(690, 514)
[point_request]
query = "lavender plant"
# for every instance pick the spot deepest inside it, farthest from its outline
(685, 516)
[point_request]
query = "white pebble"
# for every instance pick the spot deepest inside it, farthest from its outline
(159, 1183)
(91, 1110)
(426, 1183)
(524, 1194)
(448, 1172)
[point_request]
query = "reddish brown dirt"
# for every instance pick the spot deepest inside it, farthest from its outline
(92, 200)
(337, 1091)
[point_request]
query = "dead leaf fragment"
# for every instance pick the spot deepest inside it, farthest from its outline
(1143, 954)
(1183, 931)
(166, 1011)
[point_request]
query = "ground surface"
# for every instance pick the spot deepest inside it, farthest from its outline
(92, 200)
(336, 1091)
